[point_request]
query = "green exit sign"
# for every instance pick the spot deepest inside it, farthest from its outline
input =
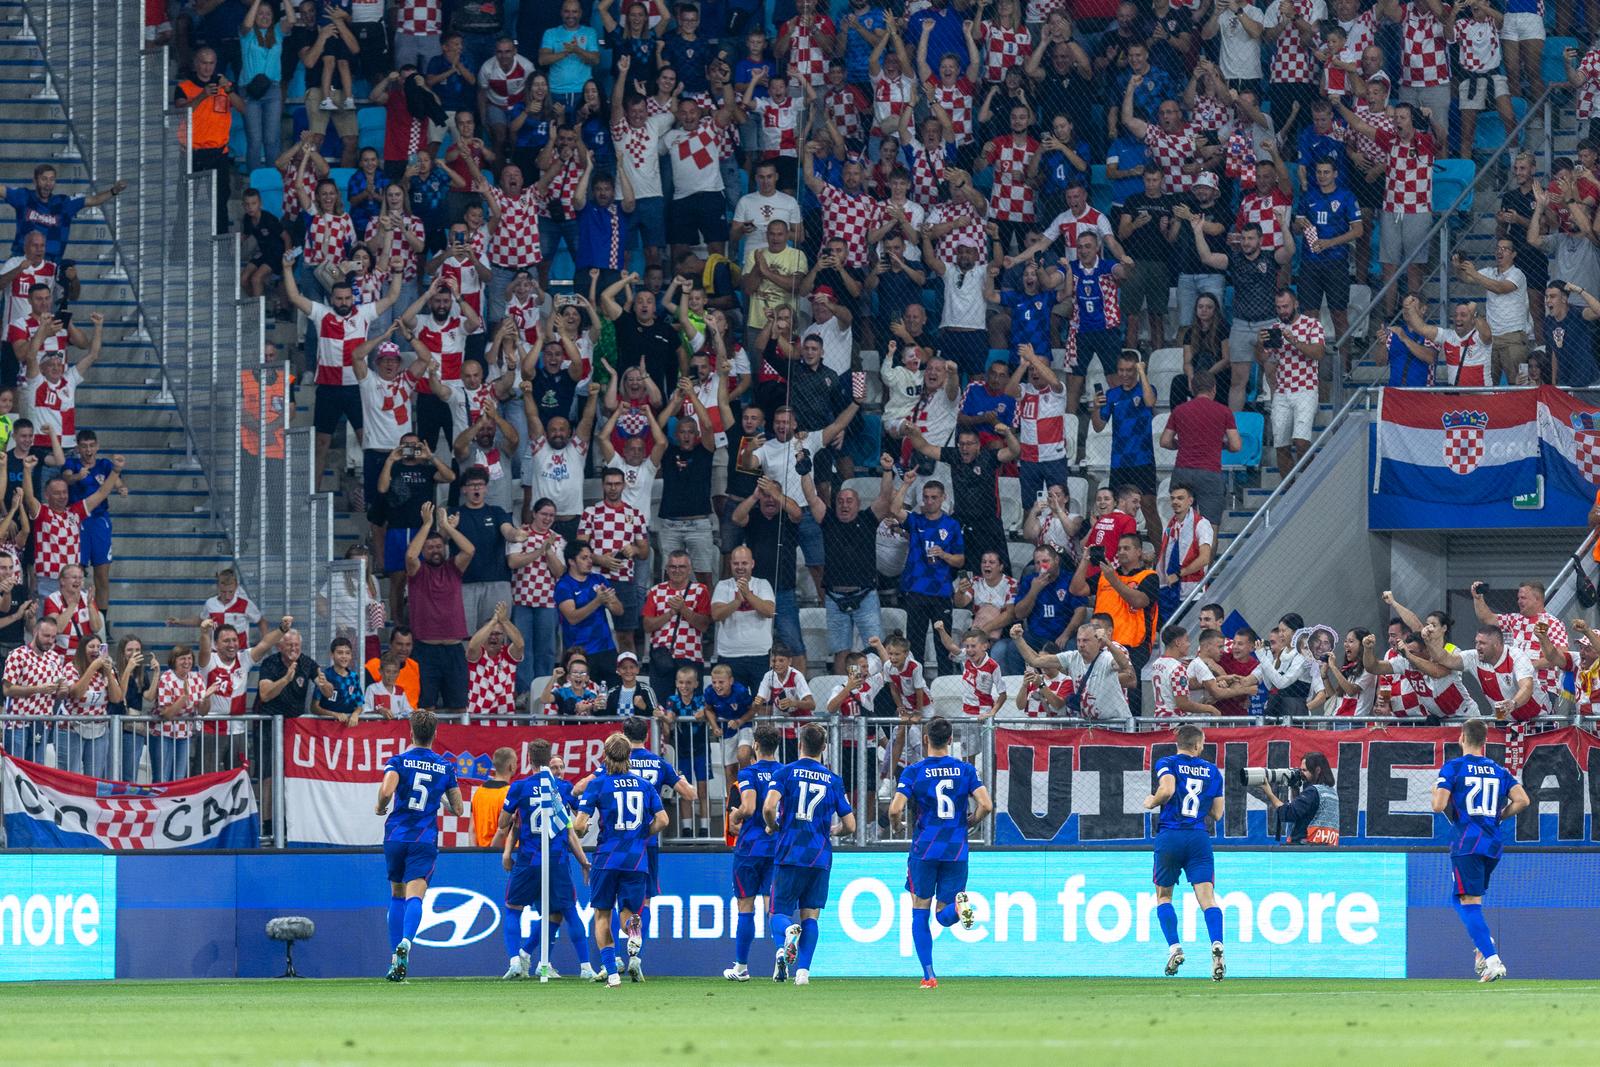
(1533, 501)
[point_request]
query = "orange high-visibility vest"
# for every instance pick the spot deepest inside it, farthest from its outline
(252, 424)
(211, 123)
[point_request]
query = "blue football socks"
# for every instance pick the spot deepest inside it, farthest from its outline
(922, 938)
(397, 919)
(808, 944)
(1214, 924)
(413, 917)
(1168, 917)
(743, 935)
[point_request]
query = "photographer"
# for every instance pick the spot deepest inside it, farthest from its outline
(1313, 816)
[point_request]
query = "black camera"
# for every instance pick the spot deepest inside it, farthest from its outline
(1097, 555)
(1275, 337)
(802, 463)
(925, 466)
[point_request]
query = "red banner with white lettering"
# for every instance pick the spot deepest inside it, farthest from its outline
(332, 771)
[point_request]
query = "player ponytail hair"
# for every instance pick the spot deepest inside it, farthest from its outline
(617, 750)
(424, 724)
(939, 731)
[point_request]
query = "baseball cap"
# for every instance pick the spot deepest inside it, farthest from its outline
(1206, 178)
(824, 291)
(627, 655)
(388, 350)
(1380, 75)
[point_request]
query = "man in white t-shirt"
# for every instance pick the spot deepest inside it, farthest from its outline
(1101, 673)
(50, 387)
(19, 274)
(831, 324)
(1238, 26)
(1169, 677)
(388, 403)
(743, 607)
(1506, 677)
(1464, 347)
(695, 150)
(637, 135)
(554, 467)
(768, 202)
(1505, 305)
(501, 79)
(637, 461)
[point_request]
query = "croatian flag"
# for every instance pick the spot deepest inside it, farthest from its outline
(47, 808)
(1569, 443)
(550, 802)
(1470, 448)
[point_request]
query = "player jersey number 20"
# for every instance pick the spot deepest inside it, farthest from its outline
(1483, 797)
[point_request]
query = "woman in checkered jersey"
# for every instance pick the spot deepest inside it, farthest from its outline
(83, 744)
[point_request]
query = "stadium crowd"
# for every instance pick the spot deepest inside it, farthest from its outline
(651, 329)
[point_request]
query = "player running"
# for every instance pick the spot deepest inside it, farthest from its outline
(1475, 793)
(939, 785)
(1188, 791)
(630, 813)
(661, 775)
(522, 821)
(421, 778)
(800, 808)
(752, 852)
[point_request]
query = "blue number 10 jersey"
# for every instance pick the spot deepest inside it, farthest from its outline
(425, 778)
(1479, 788)
(1198, 783)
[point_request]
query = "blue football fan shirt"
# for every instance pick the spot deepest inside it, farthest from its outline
(623, 805)
(924, 574)
(425, 778)
(753, 839)
(729, 708)
(1479, 787)
(811, 796)
(939, 786)
(525, 799)
(1089, 291)
(1198, 781)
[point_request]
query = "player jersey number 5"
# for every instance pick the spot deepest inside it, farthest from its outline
(419, 791)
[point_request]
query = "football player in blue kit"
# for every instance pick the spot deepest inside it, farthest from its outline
(800, 809)
(939, 786)
(752, 852)
(629, 813)
(1476, 794)
(522, 822)
(1188, 792)
(418, 780)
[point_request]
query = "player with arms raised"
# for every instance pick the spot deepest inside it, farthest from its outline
(1188, 791)
(1475, 793)
(800, 808)
(630, 814)
(939, 785)
(418, 779)
(752, 852)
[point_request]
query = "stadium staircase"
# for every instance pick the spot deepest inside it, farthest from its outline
(167, 549)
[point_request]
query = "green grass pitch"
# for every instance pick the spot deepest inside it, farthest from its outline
(882, 1023)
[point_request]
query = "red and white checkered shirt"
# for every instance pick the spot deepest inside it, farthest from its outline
(969, 229)
(980, 685)
(778, 123)
(501, 86)
(92, 705)
(679, 638)
(1408, 181)
(77, 625)
(1379, 121)
(399, 247)
(927, 171)
(1011, 199)
(418, 18)
(908, 682)
(307, 179)
(1041, 424)
(807, 58)
(1414, 695)
(1589, 94)
(233, 698)
(957, 99)
(465, 275)
(19, 331)
(1210, 114)
(1169, 678)
(492, 683)
(26, 278)
(1521, 639)
(563, 186)
(386, 407)
(1262, 209)
(329, 238)
(190, 690)
(338, 337)
(1062, 686)
(447, 341)
(533, 585)
(850, 217)
(28, 666)
(1003, 48)
(1424, 59)
(846, 105)
(54, 405)
(609, 528)
(1296, 372)
(727, 136)
(56, 539)
(1478, 46)
(514, 233)
(1172, 151)
(696, 156)
(890, 96)
(1291, 62)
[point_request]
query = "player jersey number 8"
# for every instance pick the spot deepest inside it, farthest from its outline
(1192, 788)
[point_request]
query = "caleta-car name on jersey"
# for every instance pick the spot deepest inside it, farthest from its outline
(429, 762)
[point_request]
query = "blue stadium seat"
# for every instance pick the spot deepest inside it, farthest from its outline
(1450, 178)
(1252, 432)
(269, 183)
(295, 91)
(1491, 133)
(340, 176)
(369, 128)
(864, 447)
(1554, 67)
(1099, 188)
(238, 144)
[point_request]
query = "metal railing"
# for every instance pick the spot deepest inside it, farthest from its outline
(184, 280)
(1561, 594)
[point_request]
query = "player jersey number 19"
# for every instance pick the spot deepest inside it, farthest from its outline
(1483, 797)
(1192, 788)
(630, 810)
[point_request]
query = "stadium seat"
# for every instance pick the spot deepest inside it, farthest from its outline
(1252, 429)
(1554, 67)
(1078, 493)
(1095, 376)
(1165, 458)
(295, 91)
(822, 686)
(1453, 176)
(1360, 301)
(1097, 448)
(871, 361)
(1012, 683)
(340, 176)
(1099, 189)
(1165, 364)
(1069, 433)
(865, 447)
(946, 693)
(1021, 553)
(1491, 131)
(538, 687)
(814, 630)
(238, 143)
(369, 127)
(269, 183)
(1012, 507)
(894, 620)
(866, 489)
